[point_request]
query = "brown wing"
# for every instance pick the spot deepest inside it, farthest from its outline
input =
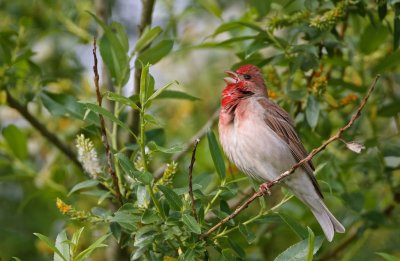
(281, 123)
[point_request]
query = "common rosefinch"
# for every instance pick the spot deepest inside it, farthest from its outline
(259, 137)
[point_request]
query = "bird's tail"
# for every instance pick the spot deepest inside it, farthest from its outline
(325, 218)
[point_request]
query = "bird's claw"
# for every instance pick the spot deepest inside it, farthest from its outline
(264, 188)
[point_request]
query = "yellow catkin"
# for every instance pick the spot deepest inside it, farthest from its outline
(350, 98)
(272, 95)
(63, 207)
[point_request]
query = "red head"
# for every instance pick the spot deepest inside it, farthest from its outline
(244, 82)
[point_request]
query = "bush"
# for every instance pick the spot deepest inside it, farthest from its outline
(101, 168)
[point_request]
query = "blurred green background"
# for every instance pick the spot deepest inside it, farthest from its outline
(318, 58)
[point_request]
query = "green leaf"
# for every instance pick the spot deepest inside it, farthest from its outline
(154, 147)
(227, 27)
(216, 155)
(121, 35)
(67, 106)
(147, 37)
(157, 135)
(174, 201)
(149, 87)
(396, 25)
(311, 5)
(312, 111)
(308, 61)
(299, 251)
(155, 53)
(237, 248)
(387, 62)
(298, 229)
(169, 94)
(139, 253)
(311, 241)
(16, 141)
(116, 231)
(143, 177)
(372, 38)
(388, 257)
(191, 224)
(63, 246)
(84, 185)
(382, 10)
(189, 255)
(150, 216)
(211, 6)
(100, 110)
(391, 109)
(50, 244)
(355, 200)
(250, 236)
(112, 96)
(75, 239)
(227, 255)
(118, 69)
(262, 7)
(145, 236)
(144, 77)
(151, 119)
(114, 52)
(97, 244)
(161, 90)
(127, 218)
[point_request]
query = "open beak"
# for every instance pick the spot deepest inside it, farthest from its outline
(232, 77)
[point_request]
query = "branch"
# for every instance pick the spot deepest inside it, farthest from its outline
(287, 173)
(13, 103)
(190, 178)
(200, 134)
(103, 128)
(145, 20)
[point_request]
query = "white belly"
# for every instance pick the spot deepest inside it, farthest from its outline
(252, 146)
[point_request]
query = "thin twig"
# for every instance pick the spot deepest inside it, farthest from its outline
(190, 178)
(287, 173)
(13, 103)
(103, 128)
(200, 134)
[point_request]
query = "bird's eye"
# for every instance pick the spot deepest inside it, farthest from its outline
(247, 76)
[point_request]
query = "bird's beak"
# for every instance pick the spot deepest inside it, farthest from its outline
(232, 77)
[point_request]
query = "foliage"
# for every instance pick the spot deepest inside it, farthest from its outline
(318, 58)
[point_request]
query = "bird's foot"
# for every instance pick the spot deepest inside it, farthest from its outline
(264, 188)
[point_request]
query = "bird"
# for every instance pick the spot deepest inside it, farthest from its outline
(259, 137)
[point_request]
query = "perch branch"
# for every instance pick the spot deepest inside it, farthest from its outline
(287, 173)
(13, 103)
(200, 134)
(190, 178)
(103, 128)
